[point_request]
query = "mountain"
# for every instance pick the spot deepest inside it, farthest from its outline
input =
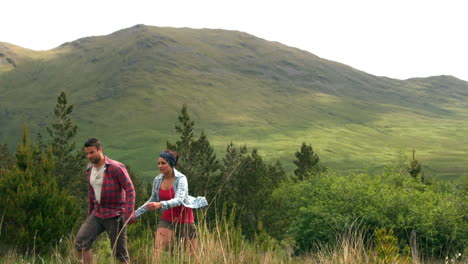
(128, 87)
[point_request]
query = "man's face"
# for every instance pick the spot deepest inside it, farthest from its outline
(93, 154)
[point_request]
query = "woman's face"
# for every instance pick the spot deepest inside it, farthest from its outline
(164, 166)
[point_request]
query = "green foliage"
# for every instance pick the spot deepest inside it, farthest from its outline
(142, 189)
(415, 167)
(415, 170)
(386, 246)
(69, 162)
(228, 191)
(63, 130)
(183, 145)
(197, 159)
(37, 215)
(307, 162)
(264, 241)
(206, 168)
(7, 160)
(314, 210)
(246, 184)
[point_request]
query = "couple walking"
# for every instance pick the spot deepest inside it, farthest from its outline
(111, 200)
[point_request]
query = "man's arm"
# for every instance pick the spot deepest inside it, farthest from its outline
(91, 195)
(90, 202)
(126, 183)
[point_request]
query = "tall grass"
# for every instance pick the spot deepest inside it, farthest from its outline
(224, 243)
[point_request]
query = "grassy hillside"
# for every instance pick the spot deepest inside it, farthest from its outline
(127, 89)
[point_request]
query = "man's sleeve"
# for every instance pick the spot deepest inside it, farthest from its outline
(91, 195)
(90, 201)
(127, 185)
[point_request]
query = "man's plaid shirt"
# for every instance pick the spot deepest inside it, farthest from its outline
(117, 194)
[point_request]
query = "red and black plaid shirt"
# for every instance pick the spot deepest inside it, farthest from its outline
(117, 193)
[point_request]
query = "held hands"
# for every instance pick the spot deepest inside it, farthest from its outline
(124, 220)
(153, 206)
(132, 218)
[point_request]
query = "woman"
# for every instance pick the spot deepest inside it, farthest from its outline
(170, 193)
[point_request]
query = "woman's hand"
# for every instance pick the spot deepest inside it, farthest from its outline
(153, 206)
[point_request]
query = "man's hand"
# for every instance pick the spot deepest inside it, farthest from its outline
(132, 219)
(122, 220)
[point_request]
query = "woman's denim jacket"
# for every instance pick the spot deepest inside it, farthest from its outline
(181, 195)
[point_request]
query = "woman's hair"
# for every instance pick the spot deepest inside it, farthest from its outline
(170, 156)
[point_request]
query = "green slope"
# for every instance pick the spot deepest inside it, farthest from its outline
(127, 88)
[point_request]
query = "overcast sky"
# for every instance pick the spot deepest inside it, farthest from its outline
(394, 38)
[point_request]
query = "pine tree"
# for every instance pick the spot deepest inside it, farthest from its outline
(247, 183)
(36, 214)
(70, 162)
(227, 190)
(183, 145)
(205, 167)
(232, 158)
(307, 162)
(197, 159)
(415, 167)
(253, 187)
(7, 160)
(277, 173)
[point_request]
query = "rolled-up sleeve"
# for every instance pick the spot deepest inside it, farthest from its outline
(154, 198)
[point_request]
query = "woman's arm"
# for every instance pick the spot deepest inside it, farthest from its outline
(154, 198)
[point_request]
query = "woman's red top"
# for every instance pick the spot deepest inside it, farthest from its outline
(179, 214)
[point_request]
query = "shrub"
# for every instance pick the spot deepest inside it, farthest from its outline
(36, 215)
(313, 211)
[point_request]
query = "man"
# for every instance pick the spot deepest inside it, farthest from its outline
(111, 200)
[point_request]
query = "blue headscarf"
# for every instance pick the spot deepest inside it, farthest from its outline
(169, 157)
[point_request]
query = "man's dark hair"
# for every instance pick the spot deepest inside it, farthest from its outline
(93, 142)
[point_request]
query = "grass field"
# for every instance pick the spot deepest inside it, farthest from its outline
(224, 244)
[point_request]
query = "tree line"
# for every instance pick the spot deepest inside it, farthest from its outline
(43, 194)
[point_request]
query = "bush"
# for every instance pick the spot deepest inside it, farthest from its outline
(36, 215)
(315, 210)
